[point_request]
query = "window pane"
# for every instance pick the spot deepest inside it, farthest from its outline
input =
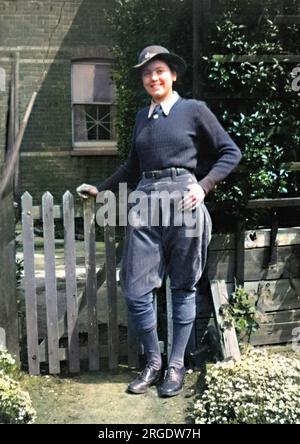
(92, 83)
(80, 128)
(93, 122)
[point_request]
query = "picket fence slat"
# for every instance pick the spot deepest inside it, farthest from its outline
(50, 283)
(91, 288)
(111, 282)
(71, 284)
(30, 286)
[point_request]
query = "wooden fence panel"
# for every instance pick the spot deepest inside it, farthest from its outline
(277, 295)
(277, 328)
(50, 283)
(221, 264)
(71, 284)
(30, 286)
(256, 239)
(91, 288)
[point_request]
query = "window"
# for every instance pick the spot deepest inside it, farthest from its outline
(93, 108)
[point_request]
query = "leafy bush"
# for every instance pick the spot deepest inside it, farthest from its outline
(260, 389)
(241, 312)
(7, 363)
(259, 109)
(15, 404)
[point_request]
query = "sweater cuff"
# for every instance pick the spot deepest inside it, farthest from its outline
(207, 183)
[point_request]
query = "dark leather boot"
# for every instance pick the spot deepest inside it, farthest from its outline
(145, 379)
(173, 381)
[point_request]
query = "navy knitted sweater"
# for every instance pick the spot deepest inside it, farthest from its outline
(190, 137)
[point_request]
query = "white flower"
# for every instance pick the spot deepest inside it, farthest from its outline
(261, 388)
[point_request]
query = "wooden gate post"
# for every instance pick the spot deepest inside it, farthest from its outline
(229, 342)
(8, 297)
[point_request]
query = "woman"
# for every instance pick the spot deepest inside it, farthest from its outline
(173, 139)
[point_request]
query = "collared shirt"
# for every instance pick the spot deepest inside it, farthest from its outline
(166, 104)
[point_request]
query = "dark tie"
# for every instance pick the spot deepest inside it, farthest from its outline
(158, 111)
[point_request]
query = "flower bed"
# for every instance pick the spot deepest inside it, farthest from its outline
(15, 404)
(262, 388)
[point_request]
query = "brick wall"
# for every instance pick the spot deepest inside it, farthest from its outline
(47, 35)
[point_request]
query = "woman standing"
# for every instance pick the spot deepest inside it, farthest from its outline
(173, 139)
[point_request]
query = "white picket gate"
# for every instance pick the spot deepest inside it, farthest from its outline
(49, 348)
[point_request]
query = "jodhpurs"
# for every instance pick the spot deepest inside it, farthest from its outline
(175, 247)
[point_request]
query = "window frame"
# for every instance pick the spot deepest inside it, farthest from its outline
(91, 147)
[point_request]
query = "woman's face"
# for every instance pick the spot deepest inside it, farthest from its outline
(158, 80)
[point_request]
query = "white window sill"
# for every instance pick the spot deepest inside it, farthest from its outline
(104, 148)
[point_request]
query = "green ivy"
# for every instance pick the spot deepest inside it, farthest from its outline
(241, 312)
(263, 115)
(265, 174)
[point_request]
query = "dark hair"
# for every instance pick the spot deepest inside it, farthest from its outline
(173, 66)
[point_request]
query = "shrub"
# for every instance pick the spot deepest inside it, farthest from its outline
(241, 313)
(262, 129)
(7, 363)
(259, 389)
(15, 404)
